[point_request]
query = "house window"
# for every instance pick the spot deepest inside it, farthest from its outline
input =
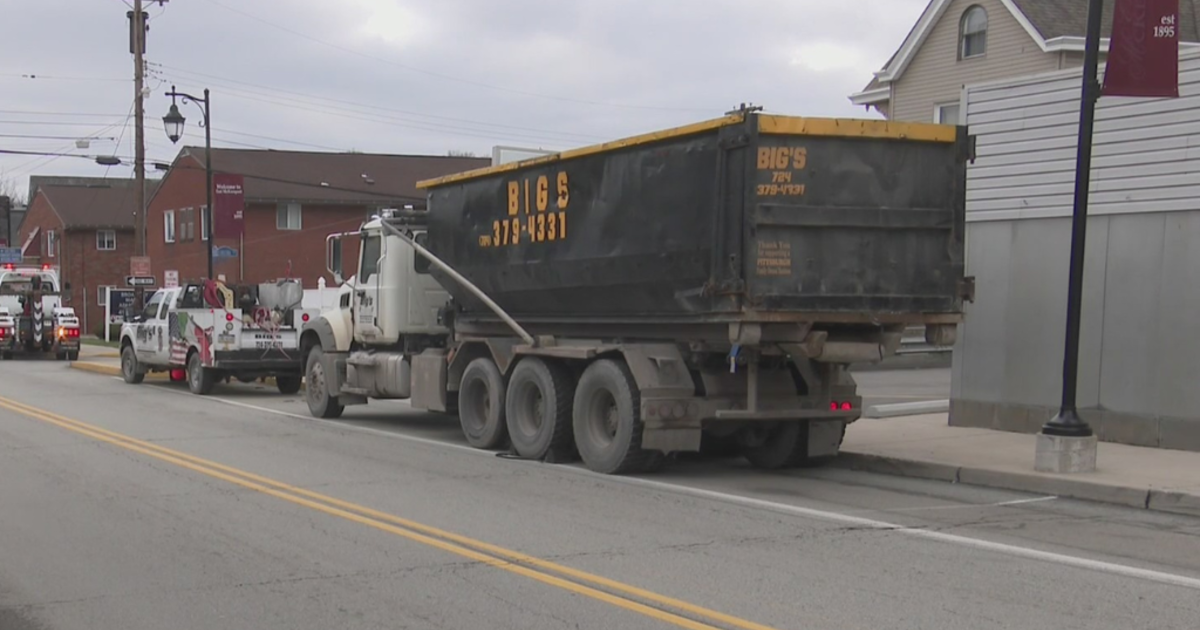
(100, 293)
(974, 33)
(204, 223)
(187, 224)
(51, 241)
(287, 216)
(948, 114)
(169, 226)
(106, 240)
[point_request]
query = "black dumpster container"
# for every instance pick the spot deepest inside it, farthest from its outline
(749, 217)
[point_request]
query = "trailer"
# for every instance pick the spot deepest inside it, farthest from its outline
(627, 301)
(33, 319)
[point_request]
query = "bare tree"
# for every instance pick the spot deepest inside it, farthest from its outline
(11, 189)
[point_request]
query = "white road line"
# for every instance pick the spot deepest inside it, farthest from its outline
(1100, 566)
(963, 506)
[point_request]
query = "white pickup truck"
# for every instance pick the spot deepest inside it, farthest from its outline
(245, 332)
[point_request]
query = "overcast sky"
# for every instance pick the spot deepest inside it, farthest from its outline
(409, 76)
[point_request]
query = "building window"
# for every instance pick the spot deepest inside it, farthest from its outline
(187, 225)
(973, 41)
(948, 114)
(169, 226)
(287, 216)
(204, 223)
(106, 240)
(100, 293)
(51, 241)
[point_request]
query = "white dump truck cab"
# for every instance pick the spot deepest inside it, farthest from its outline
(388, 311)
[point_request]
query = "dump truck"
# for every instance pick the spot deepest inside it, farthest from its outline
(625, 302)
(33, 319)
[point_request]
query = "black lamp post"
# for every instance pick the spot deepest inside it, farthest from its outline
(1068, 423)
(173, 123)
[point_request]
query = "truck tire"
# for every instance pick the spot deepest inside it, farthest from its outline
(201, 380)
(538, 409)
(320, 403)
(73, 355)
(607, 421)
(130, 370)
(60, 356)
(289, 384)
(786, 446)
(481, 405)
(7, 355)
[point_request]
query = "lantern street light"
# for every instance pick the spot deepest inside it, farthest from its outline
(173, 124)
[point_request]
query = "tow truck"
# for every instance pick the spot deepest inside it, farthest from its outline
(204, 332)
(32, 316)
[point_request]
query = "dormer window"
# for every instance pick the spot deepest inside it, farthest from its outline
(973, 41)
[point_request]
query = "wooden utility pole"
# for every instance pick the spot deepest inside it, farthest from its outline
(137, 46)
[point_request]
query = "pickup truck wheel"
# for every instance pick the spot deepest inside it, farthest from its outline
(538, 409)
(481, 404)
(73, 355)
(288, 384)
(130, 370)
(320, 403)
(201, 380)
(607, 421)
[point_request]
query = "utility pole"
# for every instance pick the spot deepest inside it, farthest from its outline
(137, 46)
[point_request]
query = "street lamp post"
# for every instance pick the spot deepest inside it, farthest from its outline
(173, 123)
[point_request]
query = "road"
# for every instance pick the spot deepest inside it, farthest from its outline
(148, 508)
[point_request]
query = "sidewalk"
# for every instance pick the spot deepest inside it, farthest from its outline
(927, 447)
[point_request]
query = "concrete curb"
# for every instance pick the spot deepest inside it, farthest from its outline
(108, 370)
(896, 410)
(1144, 498)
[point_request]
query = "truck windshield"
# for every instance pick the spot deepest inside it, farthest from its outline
(371, 251)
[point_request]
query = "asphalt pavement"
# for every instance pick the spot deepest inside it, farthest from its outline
(145, 507)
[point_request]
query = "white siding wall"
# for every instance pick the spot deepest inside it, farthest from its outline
(1139, 356)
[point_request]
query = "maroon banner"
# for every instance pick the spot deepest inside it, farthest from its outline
(229, 205)
(1143, 56)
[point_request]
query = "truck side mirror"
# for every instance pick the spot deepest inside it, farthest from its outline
(335, 260)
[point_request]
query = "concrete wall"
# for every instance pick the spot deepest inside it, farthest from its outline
(1139, 359)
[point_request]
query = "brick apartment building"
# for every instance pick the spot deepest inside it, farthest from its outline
(293, 200)
(87, 232)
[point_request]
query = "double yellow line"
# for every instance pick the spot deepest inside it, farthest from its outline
(628, 597)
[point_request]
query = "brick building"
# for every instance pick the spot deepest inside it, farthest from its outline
(87, 232)
(293, 200)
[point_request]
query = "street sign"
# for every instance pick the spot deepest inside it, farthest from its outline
(140, 281)
(224, 252)
(139, 266)
(10, 255)
(170, 278)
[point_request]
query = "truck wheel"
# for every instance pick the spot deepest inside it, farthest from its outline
(7, 355)
(538, 406)
(320, 403)
(130, 371)
(60, 356)
(481, 405)
(288, 384)
(200, 379)
(607, 421)
(73, 355)
(785, 446)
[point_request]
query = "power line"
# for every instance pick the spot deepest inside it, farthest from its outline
(314, 97)
(39, 113)
(279, 180)
(50, 123)
(392, 121)
(43, 77)
(445, 76)
(36, 137)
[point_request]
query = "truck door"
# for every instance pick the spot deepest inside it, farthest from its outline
(160, 337)
(145, 345)
(366, 289)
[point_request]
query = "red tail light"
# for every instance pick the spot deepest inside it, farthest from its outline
(73, 333)
(228, 317)
(833, 406)
(846, 406)
(3, 333)
(304, 318)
